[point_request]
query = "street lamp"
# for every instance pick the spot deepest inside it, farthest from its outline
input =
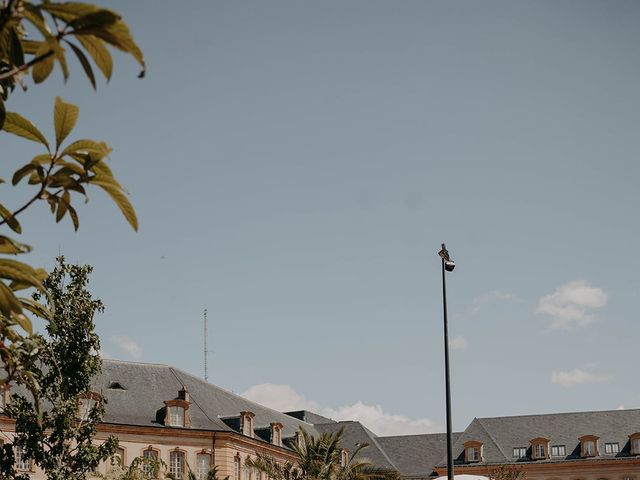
(447, 265)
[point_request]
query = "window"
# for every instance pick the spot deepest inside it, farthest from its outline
(635, 446)
(149, 466)
(519, 452)
(236, 468)
(588, 448)
(86, 405)
(22, 461)
(118, 457)
(176, 465)
(540, 448)
(613, 447)
(276, 434)
(344, 457)
(176, 416)
(247, 423)
(203, 461)
(246, 473)
(473, 454)
(258, 474)
(558, 451)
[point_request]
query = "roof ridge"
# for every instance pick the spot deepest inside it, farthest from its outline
(561, 413)
(373, 438)
(236, 395)
(117, 360)
(493, 439)
(383, 437)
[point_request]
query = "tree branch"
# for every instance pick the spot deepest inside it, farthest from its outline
(35, 197)
(14, 71)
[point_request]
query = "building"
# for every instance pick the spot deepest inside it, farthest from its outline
(160, 411)
(559, 446)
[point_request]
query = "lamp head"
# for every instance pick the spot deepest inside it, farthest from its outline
(449, 265)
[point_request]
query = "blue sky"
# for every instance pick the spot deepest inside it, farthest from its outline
(296, 165)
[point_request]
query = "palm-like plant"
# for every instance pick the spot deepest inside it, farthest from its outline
(320, 458)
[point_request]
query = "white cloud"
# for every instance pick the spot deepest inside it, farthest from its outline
(577, 377)
(104, 354)
(458, 343)
(128, 345)
(285, 398)
(494, 296)
(572, 303)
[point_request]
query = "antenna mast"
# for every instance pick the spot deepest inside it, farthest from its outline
(206, 373)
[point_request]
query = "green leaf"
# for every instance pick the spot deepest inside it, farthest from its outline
(18, 125)
(30, 47)
(10, 219)
(36, 308)
(10, 246)
(63, 205)
(86, 66)
(42, 159)
(21, 276)
(121, 201)
(100, 54)
(98, 19)
(68, 11)
(9, 304)
(74, 218)
(34, 16)
(41, 70)
(119, 36)
(23, 172)
(16, 54)
(65, 116)
(86, 146)
(62, 59)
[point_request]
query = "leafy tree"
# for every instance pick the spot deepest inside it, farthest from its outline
(141, 468)
(507, 472)
(51, 427)
(319, 458)
(33, 38)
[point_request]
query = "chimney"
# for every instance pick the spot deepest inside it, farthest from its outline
(183, 393)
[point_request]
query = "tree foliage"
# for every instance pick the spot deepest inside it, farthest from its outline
(50, 426)
(320, 458)
(33, 38)
(507, 472)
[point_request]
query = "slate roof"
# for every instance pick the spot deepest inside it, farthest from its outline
(415, 456)
(500, 435)
(355, 434)
(146, 386)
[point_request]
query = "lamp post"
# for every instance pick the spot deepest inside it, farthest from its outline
(447, 266)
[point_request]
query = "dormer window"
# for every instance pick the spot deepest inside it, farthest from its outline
(86, 404)
(472, 452)
(634, 440)
(588, 446)
(276, 434)
(177, 414)
(344, 457)
(540, 448)
(247, 423)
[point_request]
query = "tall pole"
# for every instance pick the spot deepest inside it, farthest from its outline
(445, 258)
(206, 373)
